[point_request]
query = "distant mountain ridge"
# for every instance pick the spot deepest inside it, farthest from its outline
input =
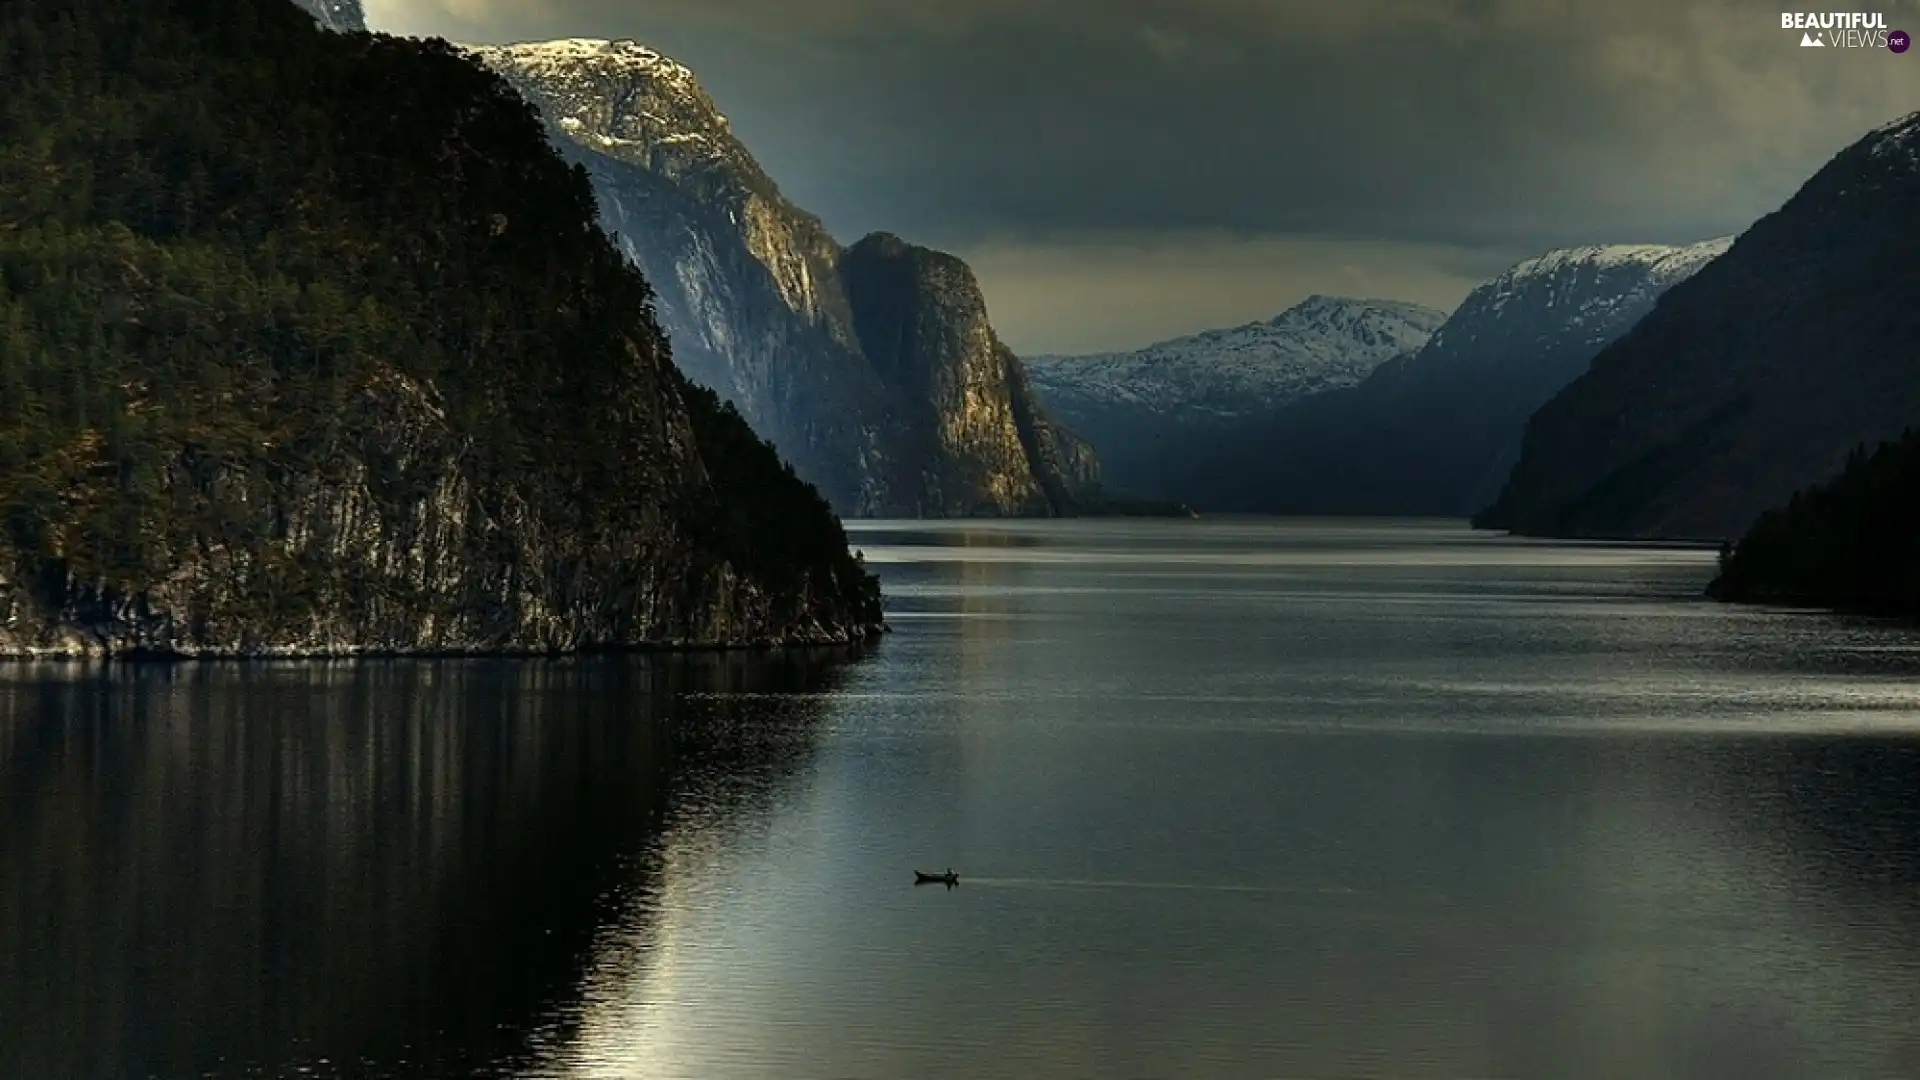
(1322, 343)
(1753, 380)
(753, 293)
(1434, 432)
(1146, 411)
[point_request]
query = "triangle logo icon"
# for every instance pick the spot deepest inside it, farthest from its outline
(1808, 41)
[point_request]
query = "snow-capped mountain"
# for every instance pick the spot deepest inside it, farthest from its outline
(1147, 411)
(341, 15)
(1572, 297)
(1323, 343)
(754, 294)
(1436, 432)
(1755, 379)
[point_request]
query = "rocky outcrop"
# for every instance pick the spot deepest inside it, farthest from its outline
(1067, 466)
(751, 292)
(1435, 432)
(1755, 379)
(921, 320)
(384, 389)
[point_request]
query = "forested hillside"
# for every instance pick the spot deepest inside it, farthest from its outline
(1851, 542)
(309, 343)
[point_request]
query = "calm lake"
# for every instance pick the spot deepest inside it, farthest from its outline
(1305, 800)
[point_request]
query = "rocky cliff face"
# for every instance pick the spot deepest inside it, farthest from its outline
(751, 292)
(1435, 432)
(921, 320)
(396, 545)
(384, 389)
(1151, 412)
(338, 15)
(1752, 380)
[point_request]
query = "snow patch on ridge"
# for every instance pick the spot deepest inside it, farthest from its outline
(342, 16)
(626, 100)
(1579, 292)
(568, 56)
(1906, 127)
(1900, 138)
(1324, 343)
(1660, 260)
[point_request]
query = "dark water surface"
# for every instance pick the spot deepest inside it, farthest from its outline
(1231, 799)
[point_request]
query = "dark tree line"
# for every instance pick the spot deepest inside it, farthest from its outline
(1851, 542)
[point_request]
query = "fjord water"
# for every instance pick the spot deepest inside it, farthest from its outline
(1229, 799)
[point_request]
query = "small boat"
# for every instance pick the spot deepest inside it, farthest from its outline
(949, 879)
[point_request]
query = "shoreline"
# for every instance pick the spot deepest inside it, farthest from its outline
(867, 637)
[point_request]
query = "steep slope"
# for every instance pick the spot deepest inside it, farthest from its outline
(1434, 433)
(333, 359)
(338, 15)
(1754, 379)
(1150, 412)
(750, 291)
(922, 321)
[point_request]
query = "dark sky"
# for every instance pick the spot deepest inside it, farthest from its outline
(1122, 170)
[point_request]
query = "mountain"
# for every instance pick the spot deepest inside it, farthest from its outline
(338, 15)
(335, 360)
(1753, 380)
(753, 292)
(921, 320)
(1435, 432)
(1150, 411)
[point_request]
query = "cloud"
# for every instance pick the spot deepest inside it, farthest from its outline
(1095, 293)
(1470, 125)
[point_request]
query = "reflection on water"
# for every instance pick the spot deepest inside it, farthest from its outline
(360, 869)
(1229, 799)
